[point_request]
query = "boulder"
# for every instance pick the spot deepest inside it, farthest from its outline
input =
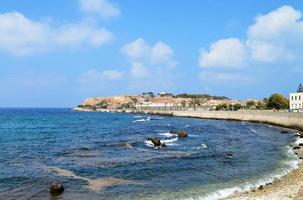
(155, 141)
(56, 188)
(296, 148)
(261, 187)
(182, 134)
(284, 131)
(301, 145)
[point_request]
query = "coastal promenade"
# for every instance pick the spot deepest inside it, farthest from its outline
(284, 119)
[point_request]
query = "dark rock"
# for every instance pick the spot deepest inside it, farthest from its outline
(253, 190)
(301, 136)
(182, 134)
(155, 141)
(261, 187)
(296, 148)
(56, 188)
(301, 145)
(228, 154)
(284, 131)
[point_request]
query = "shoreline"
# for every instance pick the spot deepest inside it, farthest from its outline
(289, 185)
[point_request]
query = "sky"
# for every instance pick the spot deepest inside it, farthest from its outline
(56, 53)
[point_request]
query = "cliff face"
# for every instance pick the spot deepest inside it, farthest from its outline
(113, 101)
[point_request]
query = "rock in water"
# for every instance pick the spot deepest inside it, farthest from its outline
(56, 188)
(228, 154)
(155, 141)
(284, 131)
(182, 134)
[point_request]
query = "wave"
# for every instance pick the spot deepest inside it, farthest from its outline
(168, 134)
(170, 141)
(252, 130)
(149, 143)
(290, 164)
(137, 116)
(139, 120)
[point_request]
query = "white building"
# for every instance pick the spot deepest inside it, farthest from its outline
(296, 99)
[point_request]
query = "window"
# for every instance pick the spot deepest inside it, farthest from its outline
(296, 98)
(292, 97)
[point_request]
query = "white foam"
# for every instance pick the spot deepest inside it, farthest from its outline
(170, 141)
(252, 130)
(139, 120)
(168, 134)
(149, 143)
(298, 141)
(138, 116)
(289, 165)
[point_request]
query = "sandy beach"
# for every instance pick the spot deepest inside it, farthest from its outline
(286, 188)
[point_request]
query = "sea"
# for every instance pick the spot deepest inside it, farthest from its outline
(97, 155)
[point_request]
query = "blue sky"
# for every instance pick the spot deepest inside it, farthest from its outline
(56, 53)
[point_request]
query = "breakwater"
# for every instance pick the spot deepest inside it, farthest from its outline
(283, 119)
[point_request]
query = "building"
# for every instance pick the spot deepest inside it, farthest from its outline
(296, 99)
(158, 103)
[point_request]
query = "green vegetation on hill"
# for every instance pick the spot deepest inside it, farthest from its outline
(202, 96)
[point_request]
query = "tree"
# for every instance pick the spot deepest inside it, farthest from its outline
(261, 105)
(237, 106)
(300, 88)
(250, 104)
(222, 106)
(265, 100)
(277, 101)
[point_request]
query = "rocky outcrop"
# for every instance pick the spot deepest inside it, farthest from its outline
(181, 133)
(56, 188)
(157, 142)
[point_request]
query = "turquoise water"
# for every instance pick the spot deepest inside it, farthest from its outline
(37, 145)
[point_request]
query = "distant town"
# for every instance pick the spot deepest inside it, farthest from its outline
(169, 101)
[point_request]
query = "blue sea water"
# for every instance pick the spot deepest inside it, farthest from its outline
(107, 155)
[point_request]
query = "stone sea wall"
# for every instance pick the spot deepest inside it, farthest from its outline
(284, 119)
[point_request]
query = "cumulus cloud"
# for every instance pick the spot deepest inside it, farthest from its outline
(21, 36)
(275, 39)
(150, 65)
(158, 54)
(102, 8)
(229, 52)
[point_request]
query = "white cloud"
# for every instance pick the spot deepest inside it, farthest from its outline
(275, 39)
(150, 65)
(96, 76)
(158, 54)
(276, 36)
(102, 8)
(229, 52)
(138, 70)
(21, 36)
